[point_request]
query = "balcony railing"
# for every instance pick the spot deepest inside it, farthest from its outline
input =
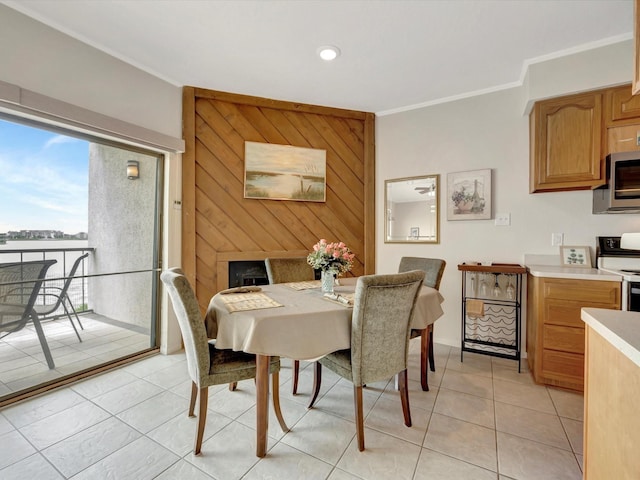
(57, 274)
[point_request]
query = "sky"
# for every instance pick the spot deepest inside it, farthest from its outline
(43, 180)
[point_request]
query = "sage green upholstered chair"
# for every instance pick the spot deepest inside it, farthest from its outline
(207, 365)
(380, 326)
(284, 270)
(433, 268)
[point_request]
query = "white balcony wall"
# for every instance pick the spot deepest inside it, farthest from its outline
(121, 229)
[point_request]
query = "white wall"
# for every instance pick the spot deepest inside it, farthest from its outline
(122, 215)
(38, 58)
(488, 131)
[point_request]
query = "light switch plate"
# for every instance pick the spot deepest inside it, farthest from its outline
(557, 239)
(503, 219)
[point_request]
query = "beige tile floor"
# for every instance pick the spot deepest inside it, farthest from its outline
(22, 362)
(480, 420)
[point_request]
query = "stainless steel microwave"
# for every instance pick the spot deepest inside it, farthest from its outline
(621, 194)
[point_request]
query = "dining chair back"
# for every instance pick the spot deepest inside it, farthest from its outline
(207, 365)
(284, 270)
(60, 295)
(20, 285)
(433, 269)
(381, 318)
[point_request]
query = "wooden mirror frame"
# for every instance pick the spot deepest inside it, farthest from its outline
(420, 227)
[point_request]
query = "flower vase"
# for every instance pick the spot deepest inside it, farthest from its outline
(327, 279)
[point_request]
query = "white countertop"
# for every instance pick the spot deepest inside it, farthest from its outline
(621, 329)
(553, 271)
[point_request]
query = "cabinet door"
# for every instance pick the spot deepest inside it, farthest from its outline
(621, 106)
(566, 140)
(623, 139)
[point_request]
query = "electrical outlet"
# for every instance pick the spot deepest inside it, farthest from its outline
(556, 239)
(503, 219)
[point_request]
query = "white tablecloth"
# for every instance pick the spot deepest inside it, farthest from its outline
(306, 327)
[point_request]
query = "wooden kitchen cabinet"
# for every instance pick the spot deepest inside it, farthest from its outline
(566, 140)
(622, 119)
(621, 106)
(612, 389)
(555, 332)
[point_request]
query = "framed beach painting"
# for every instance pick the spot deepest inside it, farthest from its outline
(469, 195)
(284, 172)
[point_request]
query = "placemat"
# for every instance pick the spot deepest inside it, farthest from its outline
(304, 285)
(236, 302)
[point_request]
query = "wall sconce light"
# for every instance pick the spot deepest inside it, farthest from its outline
(133, 173)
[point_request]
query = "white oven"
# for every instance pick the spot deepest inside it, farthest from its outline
(612, 258)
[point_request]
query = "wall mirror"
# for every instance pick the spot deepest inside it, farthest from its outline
(412, 210)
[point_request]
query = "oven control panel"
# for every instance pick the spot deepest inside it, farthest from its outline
(610, 246)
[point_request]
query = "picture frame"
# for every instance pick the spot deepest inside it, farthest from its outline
(578, 256)
(414, 233)
(469, 195)
(284, 172)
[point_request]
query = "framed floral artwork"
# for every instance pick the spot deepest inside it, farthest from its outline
(469, 195)
(575, 256)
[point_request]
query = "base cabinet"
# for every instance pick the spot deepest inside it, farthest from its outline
(555, 332)
(611, 422)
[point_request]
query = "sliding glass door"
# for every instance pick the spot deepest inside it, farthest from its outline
(93, 207)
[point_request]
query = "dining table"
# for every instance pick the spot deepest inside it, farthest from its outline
(293, 320)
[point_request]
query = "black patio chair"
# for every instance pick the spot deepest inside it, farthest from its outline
(61, 296)
(20, 285)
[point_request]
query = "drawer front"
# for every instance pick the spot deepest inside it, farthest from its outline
(562, 312)
(563, 365)
(566, 339)
(587, 292)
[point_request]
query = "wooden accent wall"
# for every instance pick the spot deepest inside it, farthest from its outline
(220, 225)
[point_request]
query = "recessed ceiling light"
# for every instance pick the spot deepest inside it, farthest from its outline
(328, 52)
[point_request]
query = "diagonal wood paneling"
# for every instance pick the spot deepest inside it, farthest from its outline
(220, 225)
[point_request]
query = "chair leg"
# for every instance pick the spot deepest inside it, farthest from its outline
(275, 386)
(317, 379)
(66, 310)
(431, 360)
(294, 379)
(192, 401)
(73, 309)
(404, 397)
(202, 418)
(233, 386)
(43, 341)
(424, 358)
(357, 398)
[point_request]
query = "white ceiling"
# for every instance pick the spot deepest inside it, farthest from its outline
(396, 54)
